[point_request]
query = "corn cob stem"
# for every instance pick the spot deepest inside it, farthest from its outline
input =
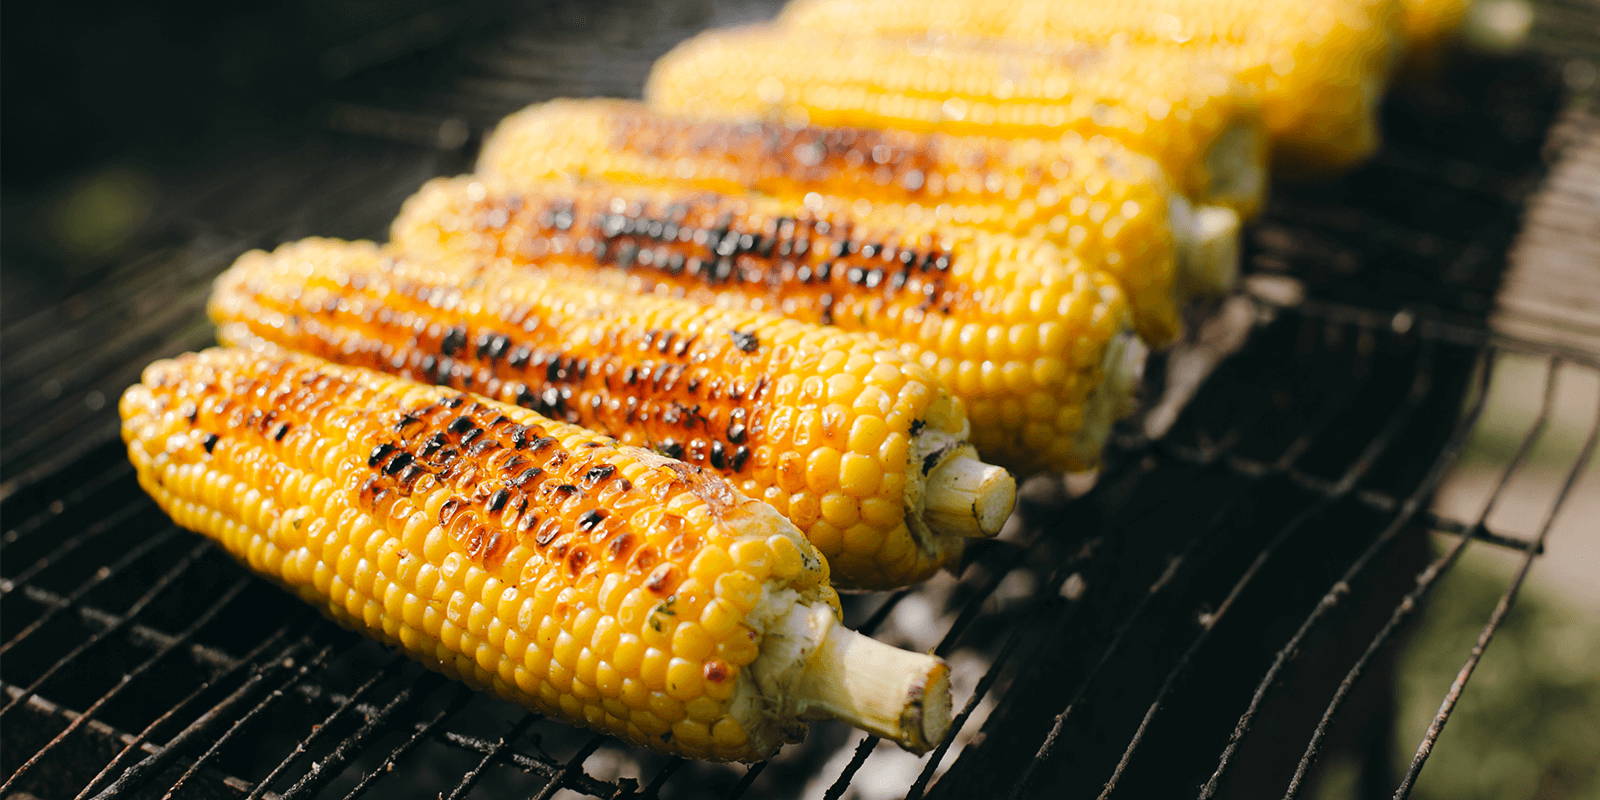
(594, 582)
(966, 496)
(1497, 26)
(1188, 116)
(852, 463)
(1015, 328)
(1092, 198)
(1208, 248)
(1123, 368)
(897, 694)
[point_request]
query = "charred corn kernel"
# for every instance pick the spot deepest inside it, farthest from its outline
(779, 659)
(1317, 66)
(692, 382)
(1110, 207)
(1200, 124)
(909, 284)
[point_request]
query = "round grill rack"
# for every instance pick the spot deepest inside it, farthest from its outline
(1218, 613)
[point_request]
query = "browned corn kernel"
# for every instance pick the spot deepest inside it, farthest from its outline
(857, 445)
(1317, 66)
(1198, 123)
(598, 583)
(1029, 340)
(1111, 208)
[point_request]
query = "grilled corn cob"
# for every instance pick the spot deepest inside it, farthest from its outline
(1112, 208)
(1198, 123)
(1318, 66)
(855, 444)
(600, 583)
(1033, 344)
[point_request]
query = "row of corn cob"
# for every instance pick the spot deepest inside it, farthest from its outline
(800, 329)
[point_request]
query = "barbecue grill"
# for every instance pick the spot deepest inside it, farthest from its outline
(1216, 615)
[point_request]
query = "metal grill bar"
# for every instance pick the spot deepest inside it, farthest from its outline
(1409, 602)
(1304, 237)
(317, 660)
(470, 777)
(1501, 609)
(143, 667)
(1347, 481)
(1341, 588)
(141, 740)
(161, 584)
(257, 683)
(458, 699)
(317, 730)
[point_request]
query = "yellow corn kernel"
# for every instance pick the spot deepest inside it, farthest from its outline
(693, 382)
(1318, 66)
(1195, 120)
(908, 284)
(1094, 199)
(509, 602)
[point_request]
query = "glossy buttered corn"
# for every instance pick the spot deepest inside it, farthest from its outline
(1318, 67)
(1037, 347)
(1111, 208)
(855, 444)
(1198, 123)
(601, 584)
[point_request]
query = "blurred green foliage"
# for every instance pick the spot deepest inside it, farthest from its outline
(1528, 724)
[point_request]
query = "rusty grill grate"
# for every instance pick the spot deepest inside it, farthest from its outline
(1219, 611)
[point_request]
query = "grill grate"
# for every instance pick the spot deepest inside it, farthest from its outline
(1220, 611)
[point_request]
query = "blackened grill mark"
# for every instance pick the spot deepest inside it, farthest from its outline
(453, 340)
(482, 446)
(210, 442)
(930, 461)
(281, 431)
(379, 453)
(746, 342)
(448, 511)
(527, 475)
(470, 436)
(719, 456)
(736, 428)
(670, 448)
(498, 500)
(619, 546)
(399, 462)
(541, 443)
(740, 456)
(432, 445)
(597, 475)
(588, 519)
(459, 425)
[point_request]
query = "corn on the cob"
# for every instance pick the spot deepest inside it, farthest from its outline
(600, 583)
(858, 446)
(1198, 123)
(1112, 208)
(1318, 66)
(1032, 343)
